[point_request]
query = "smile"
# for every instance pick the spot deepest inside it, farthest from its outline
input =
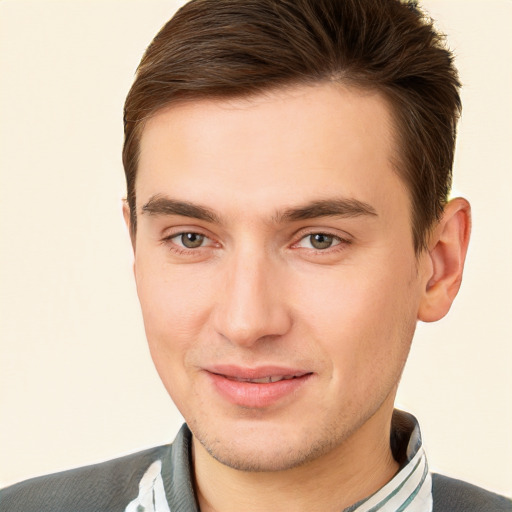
(264, 380)
(257, 388)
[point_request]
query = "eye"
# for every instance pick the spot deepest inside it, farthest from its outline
(319, 241)
(189, 240)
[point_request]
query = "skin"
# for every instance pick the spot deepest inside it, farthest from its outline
(258, 290)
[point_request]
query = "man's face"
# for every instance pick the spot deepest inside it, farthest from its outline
(274, 244)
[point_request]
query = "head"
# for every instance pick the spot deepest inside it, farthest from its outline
(288, 165)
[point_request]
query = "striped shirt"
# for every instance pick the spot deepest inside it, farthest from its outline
(411, 488)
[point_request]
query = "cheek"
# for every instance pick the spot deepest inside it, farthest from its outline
(175, 311)
(174, 306)
(362, 319)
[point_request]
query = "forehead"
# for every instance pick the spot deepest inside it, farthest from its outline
(284, 146)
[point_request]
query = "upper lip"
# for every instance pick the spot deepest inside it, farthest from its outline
(260, 372)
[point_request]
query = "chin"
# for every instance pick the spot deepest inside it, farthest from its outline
(261, 450)
(267, 459)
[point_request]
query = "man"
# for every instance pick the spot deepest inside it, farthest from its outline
(288, 167)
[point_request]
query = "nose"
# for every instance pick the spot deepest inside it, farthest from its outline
(251, 304)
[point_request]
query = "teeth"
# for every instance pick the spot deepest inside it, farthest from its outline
(263, 380)
(266, 380)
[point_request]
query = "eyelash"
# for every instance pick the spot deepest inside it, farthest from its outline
(173, 247)
(341, 244)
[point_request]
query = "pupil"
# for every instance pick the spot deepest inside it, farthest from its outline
(321, 241)
(192, 240)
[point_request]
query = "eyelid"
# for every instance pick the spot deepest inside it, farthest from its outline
(336, 241)
(172, 233)
(342, 239)
(305, 232)
(178, 235)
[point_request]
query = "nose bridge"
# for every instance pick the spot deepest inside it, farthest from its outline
(251, 306)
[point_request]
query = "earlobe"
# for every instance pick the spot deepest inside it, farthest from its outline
(447, 253)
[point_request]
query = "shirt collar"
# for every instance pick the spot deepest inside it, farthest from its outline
(409, 490)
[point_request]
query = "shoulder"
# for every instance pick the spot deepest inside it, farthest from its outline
(106, 486)
(453, 495)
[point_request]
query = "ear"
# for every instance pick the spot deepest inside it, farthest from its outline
(127, 220)
(447, 253)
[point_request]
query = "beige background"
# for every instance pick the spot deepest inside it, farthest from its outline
(76, 381)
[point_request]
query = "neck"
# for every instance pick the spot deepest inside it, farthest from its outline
(358, 467)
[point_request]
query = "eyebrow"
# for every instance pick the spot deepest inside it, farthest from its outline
(338, 207)
(159, 205)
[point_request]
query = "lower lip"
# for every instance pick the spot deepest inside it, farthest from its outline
(256, 395)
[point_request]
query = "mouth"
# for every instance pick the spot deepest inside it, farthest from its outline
(263, 380)
(257, 388)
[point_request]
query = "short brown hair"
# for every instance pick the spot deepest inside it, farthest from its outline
(232, 48)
